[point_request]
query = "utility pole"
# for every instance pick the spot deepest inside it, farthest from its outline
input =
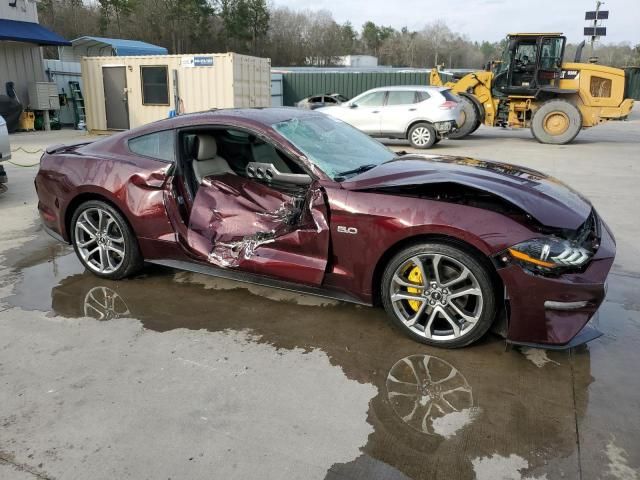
(595, 31)
(595, 24)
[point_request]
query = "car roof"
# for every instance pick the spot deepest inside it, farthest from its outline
(322, 95)
(265, 116)
(408, 87)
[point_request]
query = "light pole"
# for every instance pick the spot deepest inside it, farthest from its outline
(595, 31)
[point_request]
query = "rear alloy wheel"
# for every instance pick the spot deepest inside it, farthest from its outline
(104, 241)
(439, 295)
(470, 120)
(556, 122)
(422, 135)
(103, 303)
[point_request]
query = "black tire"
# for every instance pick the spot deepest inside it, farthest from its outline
(471, 119)
(451, 258)
(422, 135)
(127, 264)
(477, 126)
(565, 112)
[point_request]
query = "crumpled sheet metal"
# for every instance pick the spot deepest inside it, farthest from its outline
(233, 217)
(317, 211)
(230, 254)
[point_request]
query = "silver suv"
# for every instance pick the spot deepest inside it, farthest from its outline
(423, 115)
(5, 150)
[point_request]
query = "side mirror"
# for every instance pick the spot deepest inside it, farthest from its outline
(353, 105)
(268, 172)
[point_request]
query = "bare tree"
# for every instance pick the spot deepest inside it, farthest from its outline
(289, 37)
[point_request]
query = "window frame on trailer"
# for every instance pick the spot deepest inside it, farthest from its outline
(142, 85)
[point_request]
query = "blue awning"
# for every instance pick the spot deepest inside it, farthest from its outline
(119, 47)
(29, 32)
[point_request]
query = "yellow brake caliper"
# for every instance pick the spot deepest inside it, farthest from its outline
(415, 276)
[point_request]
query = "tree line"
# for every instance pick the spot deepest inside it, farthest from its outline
(289, 37)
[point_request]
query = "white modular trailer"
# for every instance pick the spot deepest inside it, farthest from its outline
(126, 92)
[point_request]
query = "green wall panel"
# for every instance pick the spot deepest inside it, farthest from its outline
(298, 85)
(632, 79)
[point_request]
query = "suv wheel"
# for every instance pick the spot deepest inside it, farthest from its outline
(422, 135)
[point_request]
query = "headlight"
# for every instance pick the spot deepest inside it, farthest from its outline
(550, 253)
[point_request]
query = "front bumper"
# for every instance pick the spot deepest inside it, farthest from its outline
(571, 301)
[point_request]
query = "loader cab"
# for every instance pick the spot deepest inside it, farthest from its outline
(530, 63)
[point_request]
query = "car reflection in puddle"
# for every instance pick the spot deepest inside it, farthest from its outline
(423, 390)
(426, 392)
(103, 303)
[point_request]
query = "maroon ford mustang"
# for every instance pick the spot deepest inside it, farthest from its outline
(295, 199)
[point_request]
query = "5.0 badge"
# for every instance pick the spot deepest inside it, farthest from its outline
(343, 229)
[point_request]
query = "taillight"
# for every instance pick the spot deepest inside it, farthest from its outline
(448, 105)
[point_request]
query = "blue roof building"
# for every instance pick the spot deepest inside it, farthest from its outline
(107, 47)
(21, 37)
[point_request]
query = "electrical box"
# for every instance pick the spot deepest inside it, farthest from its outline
(43, 96)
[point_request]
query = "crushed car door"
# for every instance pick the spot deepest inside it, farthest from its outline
(245, 224)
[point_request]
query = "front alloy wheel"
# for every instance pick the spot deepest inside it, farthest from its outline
(439, 295)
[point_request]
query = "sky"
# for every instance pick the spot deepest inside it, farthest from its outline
(485, 19)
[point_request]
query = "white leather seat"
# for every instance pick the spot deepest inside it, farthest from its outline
(207, 161)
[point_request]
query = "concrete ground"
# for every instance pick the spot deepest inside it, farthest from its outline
(181, 376)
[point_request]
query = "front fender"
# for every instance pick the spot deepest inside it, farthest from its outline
(365, 227)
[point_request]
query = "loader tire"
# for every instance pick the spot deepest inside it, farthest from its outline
(556, 122)
(470, 120)
(478, 123)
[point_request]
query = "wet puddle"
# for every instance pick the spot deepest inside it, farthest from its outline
(437, 413)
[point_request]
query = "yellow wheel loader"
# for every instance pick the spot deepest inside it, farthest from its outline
(532, 88)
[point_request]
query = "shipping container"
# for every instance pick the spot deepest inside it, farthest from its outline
(126, 92)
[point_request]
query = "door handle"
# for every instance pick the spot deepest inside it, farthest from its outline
(412, 109)
(376, 111)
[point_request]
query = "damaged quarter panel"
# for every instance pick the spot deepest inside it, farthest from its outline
(102, 170)
(240, 223)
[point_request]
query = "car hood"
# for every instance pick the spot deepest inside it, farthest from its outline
(545, 198)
